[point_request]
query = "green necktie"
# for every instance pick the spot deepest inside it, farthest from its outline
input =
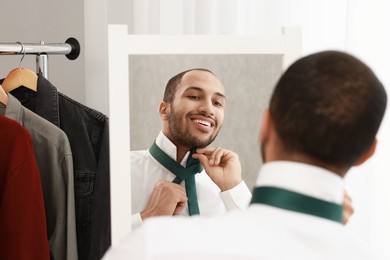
(293, 201)
(187, 174)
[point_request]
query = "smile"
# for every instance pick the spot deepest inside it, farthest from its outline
(202, 122)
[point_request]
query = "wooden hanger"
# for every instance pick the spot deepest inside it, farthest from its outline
(20, 77)
(3, 96)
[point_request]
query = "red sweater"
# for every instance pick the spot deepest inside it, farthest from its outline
(22, 213)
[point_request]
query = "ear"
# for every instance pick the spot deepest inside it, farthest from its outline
(164, 110)
(367, 154)
(265, 127)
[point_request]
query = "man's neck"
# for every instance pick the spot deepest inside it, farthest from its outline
(181, 150)
(180, 153)
(341, 171)
(274, 150)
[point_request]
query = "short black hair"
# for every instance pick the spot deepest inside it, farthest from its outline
(329, 106)
(170, 88)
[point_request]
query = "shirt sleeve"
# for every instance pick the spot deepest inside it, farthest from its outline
(133, 246)
(237, 197)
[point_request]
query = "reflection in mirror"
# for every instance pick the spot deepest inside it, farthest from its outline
(248, 81)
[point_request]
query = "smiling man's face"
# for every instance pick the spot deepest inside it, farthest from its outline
(197, 111)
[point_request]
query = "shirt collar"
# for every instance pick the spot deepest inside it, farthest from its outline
(303, 178)
(13, 109)
(47, 103)
(169, 148)
(43, 102)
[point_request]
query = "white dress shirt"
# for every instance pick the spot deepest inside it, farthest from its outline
(146, 171)
(262, 232)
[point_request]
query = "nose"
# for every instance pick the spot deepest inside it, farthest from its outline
(207, 108)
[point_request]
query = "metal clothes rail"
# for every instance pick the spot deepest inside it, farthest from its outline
(71, 49)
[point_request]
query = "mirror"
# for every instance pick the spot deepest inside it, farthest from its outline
(248, 79)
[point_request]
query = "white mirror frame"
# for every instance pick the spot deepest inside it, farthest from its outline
(120, 46)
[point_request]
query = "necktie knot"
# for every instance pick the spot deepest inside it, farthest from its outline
(193, 164)
(187, 174)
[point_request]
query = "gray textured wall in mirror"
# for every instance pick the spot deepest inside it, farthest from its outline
(248, 80)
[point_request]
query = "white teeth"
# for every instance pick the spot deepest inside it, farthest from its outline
(202, 122)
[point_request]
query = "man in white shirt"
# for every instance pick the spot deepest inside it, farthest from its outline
(192, 112)
(324, 114)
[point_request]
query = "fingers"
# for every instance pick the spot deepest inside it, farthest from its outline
(202, 159)
(221, 165)
(175, 196)
(171, 191)
(167, 199)
(180, 206)
(214, 156)
(348, 209)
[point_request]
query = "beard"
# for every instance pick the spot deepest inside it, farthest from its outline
(184, 137)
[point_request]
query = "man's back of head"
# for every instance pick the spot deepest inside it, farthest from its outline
(329, 106)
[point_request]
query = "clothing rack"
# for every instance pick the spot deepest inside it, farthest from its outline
(71, 49)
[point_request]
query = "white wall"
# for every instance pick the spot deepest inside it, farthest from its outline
(50, 21)
(97, 15)
(368, 37)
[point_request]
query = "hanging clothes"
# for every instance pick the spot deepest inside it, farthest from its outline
(87, 131)
(54, 158)
(22, 213)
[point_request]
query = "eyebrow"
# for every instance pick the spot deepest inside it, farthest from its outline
(200, 89)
